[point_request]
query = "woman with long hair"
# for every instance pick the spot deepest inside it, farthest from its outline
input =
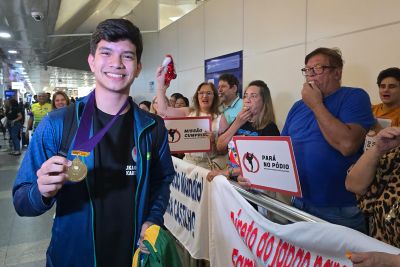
(205, 103)
(256, 118)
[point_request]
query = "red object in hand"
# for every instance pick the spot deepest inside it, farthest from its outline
(170, 74)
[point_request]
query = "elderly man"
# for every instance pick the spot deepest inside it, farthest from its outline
(327, 128)
(231, 103)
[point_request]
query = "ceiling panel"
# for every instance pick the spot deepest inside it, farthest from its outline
(52, 35)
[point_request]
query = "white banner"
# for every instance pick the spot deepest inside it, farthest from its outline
(187, 213)
(240, 236)
(213, 221)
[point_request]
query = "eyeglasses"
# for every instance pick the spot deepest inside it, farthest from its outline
(208, 93)
(251, 96)
(316, 70)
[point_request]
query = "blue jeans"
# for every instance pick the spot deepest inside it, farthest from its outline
(350, 216)
(14, 134)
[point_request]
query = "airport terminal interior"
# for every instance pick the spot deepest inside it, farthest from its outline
(308, 177)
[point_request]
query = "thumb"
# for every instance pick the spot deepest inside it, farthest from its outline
(164, 70)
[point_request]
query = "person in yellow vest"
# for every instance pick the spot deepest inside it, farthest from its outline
(389, 93)
(38, 111)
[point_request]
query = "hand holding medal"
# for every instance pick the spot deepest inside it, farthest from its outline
(52, 175)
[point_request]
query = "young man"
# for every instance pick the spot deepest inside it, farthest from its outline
(100, 221)
(327, 127)
(389, 92)
(231, 103)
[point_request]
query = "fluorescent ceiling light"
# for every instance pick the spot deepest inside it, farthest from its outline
(13, 51)
(5, 35)
(18, 61)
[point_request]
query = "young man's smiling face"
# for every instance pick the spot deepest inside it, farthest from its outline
(115, 65)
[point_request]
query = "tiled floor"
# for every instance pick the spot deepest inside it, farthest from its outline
(23, 240)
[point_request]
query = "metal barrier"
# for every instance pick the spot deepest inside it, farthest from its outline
(272, 205)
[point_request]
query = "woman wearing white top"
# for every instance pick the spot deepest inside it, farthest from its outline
(205, 103)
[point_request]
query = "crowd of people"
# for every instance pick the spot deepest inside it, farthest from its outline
(327, 127)
(340, 182)
(19, 119)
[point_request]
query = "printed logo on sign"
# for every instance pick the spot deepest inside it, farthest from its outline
(250, 162)
(173, 135)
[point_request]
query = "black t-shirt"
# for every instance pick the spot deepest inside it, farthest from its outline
(247, 129)
(12, 113)
(113, 188)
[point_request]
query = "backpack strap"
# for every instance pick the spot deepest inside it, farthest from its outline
(69, 128)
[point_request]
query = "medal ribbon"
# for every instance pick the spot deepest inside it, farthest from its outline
(83, 144)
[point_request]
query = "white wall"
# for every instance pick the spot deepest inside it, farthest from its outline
(275, 36)
(140, 89)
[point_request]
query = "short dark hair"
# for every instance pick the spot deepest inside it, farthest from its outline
(230, 79)
(146, 103)
(113, 30)
(390, 72)
(334, 55)
(185, 99)
(177, 95)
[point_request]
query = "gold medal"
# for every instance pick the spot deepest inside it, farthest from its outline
(77, 171)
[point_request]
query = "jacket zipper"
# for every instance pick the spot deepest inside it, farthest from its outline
(90, 197)
(140, 179)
